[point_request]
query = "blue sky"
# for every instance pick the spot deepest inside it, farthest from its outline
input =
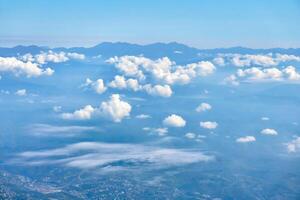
(203, 24)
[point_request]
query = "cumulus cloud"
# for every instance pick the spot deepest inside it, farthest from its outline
(89, 155)
(21, 92)
(50, 56)
(115, 109)
(294, 145)
(174, 121)
(209, 125)
(121, 83)
(160, 131)
(162, 69)
(18, 67)
(158, 90)
(203, 107)
(267, 74)
(269, 131)
(98, 85)
(81, 114)
(246, 139)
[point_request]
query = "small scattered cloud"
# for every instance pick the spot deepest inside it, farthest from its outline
(246, 139)
(98, 85)
(21, 92)
(190, 135)
(174, 121)
(294, 145)
(143, 116)
(269, 131)
(209, 125)
(203, 107)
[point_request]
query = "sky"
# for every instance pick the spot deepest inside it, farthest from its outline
(199, 23)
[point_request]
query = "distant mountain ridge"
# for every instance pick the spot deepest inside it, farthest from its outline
(155, 50)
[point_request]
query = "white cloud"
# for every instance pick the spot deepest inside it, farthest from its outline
(174, 121)
(291, 73)
(219, 61)
(190, 135)
(266, 74)
(162, 69)
(203, 107)
(81, 114)
(50, 56)
(158, 90)
(269, 131)
(76, 56)
(21, 92)
(89, 155)
(57, 108)
(57, 131)
(247, 60)
(294, 145)
(18, 67)
(161, 131)
(265, 118)
(246, 139)
(231, 79)
(115, 109)
(121, 83)
(142, 116)
(98, 85)
(209, 125)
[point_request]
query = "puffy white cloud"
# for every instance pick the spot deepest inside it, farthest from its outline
(190, 135)
(174, 121)
(286, 58)
(209, 125)
(142, 116)
(219, 61)
(50, 56)
(21, 92)
(247, 60)
(203, 107)
(81, 114)
(115, 109)
(121, 83)
(18, 67)
(76, 56)
(294, 145)
(162, 69)
(246, 139)
(266, 74)
(291, 73)
(158, 90)
(98, 85)
(269, 131)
